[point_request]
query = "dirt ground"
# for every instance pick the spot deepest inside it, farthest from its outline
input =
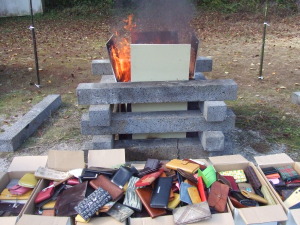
(67, 45)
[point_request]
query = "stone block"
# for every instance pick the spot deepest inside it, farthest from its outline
(156, 91)
(101, 67)
(199, 76)
(103, 142)
(108, 79)
(296, 98)
(100, 115)
(213, 111)
(212, 140)
(15, 135)
(203, 64)
(157, 122)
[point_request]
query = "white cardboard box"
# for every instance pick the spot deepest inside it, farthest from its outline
(270, 214)
(19, 166)
(277, 160)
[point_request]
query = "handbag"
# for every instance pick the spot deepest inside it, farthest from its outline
(217, 197)
(191, 213)
(90, 205)
(120, 212)
(182, 164)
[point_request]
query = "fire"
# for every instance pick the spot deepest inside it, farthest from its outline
(121, 53)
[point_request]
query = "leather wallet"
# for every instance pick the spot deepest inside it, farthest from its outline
(201, 165)
(45, 194)
(49, 205)
(239, 175)
(90, 205)
(191, 213)
(161, 193)
(68, 199)
(254, 196)
(293, 199)
(269, 170)
(293, 183)
(145, 196)
(182, 164)
(122, 176)
(240, 201)
(120, 212)
(288, 173)
(252, 177)
(267, 195)
(188, 176)
(184, 195)
(103, 182)
(149, 178)
(208, 175)
(57, 191)
(18, 190)
(28, 180)
(217, 197)
(131, 199)
(50, 174)
(73, 181)
(151, 165)
(48, 212)
(200, 187)
(175, 202)
(194, 195)
(232, 182)
(246, 187)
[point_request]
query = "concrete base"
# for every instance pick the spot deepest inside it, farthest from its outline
(203, 64)
(14, 137)
(100, 115)
(103, 142)
(212, 140)
(213, 111)
(101, 67)
(296, 98)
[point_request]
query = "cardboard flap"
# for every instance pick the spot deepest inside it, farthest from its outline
(273, 159)
(295, 213)
(27, 163)
(8, 220)
(106, 158)
(45, 220)
(65, 160)
(263, 214)
(155, 221)
(228, 159)
(107, 220)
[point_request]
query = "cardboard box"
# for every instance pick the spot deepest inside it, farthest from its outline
(19, 166)
(57, 160)
(106, 158)
(270, 214)
(277, 160)
(43, 220)
(102, 221)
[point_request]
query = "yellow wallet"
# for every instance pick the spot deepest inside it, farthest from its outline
(28, 180)
(189, 167)
(6, 195)
(49, 205)
(194, 195)
(174, 203)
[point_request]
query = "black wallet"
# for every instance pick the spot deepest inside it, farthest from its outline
(151, 166)
(123, 175)
(161, 193)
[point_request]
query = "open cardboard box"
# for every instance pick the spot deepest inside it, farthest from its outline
(19, 166)
(57, 160)
(269, 214)
(277, 160)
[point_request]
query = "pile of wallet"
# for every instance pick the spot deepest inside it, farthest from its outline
(16, 193)
(286, 181)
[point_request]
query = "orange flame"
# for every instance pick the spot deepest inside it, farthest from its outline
(121, 53)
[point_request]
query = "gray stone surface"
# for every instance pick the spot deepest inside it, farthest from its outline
(213, 111)
(100, 115)
(203, 64)
(199, 76)
(101, 67)
(157, 122)
(296, 98)
(108, 79)
(14, 137)
(212, 140)
(103, 142)
(156, 91)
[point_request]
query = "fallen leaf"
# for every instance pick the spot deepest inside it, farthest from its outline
(282, 87)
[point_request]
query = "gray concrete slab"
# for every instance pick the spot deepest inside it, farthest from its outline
(157, 122)
(199, 76)
(156, 91)
(100, 115)
(15, 136)
(103, 142)
(212, 141)
(213, 111)
(295, 98)
(203, 64)
(101, 67)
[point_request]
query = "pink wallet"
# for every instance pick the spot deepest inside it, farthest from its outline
(18, 190)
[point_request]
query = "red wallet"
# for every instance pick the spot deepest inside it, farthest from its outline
(45, 194)
(73, 181)
(149, 178)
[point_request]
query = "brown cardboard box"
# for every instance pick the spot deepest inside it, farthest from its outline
(68, 160)
(19, 166)
(102, 221)
(277, 160)
(270, 214)
(106, 158)
(43, 220)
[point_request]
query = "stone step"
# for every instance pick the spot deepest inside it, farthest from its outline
(156, 91)
(157, 122)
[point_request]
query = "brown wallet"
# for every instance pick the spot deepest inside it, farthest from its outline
(218, 196)
(105, 183)
(145, 196)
